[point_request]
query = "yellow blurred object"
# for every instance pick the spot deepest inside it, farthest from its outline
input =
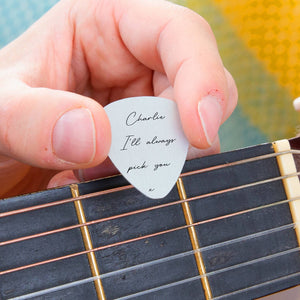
(271, 29)
(259, 42)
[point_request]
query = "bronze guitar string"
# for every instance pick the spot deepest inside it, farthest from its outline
(60, 202)
(180, 282)
(144, 292)
(144, 237)
(153, 235)
(122, 188)
(209, 247)
(161, 260)
(187, 253)
(164, 205)
(3, 243)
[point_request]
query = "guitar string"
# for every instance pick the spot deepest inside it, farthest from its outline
(188, 280)
(83, 281)
(169, 258)
(184, 281)
(205, 195)
(20, 268)
(135, 212)
(146, 292)
(126, 187)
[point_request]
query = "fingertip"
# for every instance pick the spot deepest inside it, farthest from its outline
(102, 134)
(196, 153)
(81, 136)
(210, 115)
(202, 100)
(74, 138)
(62, 179)
(72, 132)
(202, 120)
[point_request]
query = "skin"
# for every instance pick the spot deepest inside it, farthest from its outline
(83, 55)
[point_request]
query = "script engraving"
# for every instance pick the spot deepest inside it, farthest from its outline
(148, 144)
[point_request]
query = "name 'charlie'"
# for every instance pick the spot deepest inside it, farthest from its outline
(134, 118)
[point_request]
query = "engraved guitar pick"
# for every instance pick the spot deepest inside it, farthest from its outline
(148, 146)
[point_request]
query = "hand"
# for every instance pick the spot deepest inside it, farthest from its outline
(82, 55)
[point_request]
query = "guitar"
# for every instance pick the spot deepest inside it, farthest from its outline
(228, 230)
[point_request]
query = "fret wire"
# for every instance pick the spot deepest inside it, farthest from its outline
(192, 252)
(142, 237)
(204, 249)
(194, 240)
(186, 174)
(113, 190)
(142, 293)
(168, 258)
(87, 241)
(187, 280)
(3, 243)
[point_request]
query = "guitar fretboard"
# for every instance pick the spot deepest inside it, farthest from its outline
(142, 246)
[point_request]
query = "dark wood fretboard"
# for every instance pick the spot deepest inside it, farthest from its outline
(142, 246)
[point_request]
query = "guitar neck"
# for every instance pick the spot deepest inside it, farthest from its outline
(228, 233)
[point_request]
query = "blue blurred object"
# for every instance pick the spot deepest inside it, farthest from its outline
(17, 15)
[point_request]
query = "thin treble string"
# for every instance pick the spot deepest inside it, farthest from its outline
(135, 212)
(209, 274)
(192, 225)
(155, 289)
(154, 262)
(173, 284)
(114, 190)
(143, 237)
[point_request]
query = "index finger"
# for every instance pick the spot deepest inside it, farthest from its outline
(179, 43)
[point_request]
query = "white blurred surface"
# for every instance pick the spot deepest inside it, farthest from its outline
(291, 294)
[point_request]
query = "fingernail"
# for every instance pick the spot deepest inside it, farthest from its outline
(296, 104)
(73, 138)
(211, 114)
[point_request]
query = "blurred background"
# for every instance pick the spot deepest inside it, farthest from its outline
(259, 42)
